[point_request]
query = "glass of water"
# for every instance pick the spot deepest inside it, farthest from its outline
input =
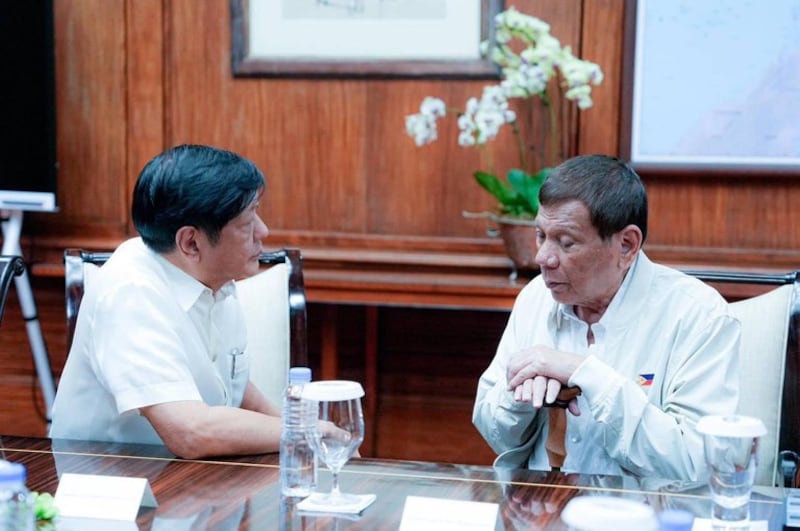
(338, 434)
(730, 444)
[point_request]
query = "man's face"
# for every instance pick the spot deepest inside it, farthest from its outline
(235, 254)
(578, 266)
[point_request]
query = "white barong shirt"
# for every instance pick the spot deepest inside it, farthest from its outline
(147, 333)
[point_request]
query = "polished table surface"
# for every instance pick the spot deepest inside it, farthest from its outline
(244, 493)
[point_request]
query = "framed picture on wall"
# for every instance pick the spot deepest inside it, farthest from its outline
(712, 86)
(362, 38)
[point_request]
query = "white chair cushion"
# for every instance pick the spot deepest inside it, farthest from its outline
(765, 328)
(265, 301)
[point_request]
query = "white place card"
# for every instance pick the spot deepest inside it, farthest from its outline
(428, 514)
(704, 524)
(97, 497)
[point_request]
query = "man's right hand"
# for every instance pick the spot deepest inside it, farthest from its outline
(548, 392)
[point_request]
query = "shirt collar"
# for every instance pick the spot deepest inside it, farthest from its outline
(613, 310)
(562, 311)
(187, 289)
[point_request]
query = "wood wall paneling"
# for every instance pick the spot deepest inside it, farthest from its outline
(91, 117)
(729, 222)
(135, 77)
(602, 42)
(145, 87)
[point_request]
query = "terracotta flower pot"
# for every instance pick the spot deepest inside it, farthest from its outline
(519, 239)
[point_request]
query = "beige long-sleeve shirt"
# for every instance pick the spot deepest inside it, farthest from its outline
(667, 356)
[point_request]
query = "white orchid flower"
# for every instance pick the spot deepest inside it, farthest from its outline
(433, 107)
(422, 128)
(530, 60)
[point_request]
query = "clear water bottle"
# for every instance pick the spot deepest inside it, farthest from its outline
(16, 503)
(298, 464)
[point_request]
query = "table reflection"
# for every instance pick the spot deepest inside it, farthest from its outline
(220, 501)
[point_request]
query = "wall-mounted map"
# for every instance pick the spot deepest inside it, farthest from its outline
(717, 82)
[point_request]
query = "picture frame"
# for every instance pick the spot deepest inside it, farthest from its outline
(702, 95)
(362, 38)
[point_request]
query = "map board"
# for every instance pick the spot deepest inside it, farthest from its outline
(716, 83)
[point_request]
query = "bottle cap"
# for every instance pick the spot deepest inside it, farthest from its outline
(675, 520)
(299, 375)
(12, 472)
(731, 426)
(326, 390)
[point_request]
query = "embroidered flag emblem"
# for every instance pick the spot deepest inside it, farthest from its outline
(646, 380)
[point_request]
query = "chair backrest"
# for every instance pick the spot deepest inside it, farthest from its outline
(10, 267)
(770, 323)
(271, 329)
(274, 305)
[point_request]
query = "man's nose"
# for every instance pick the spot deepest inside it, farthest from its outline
(545, 256)
(262, 231)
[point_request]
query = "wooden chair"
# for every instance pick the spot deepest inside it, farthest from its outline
(10, 267)
(770, 361)
(274, 305)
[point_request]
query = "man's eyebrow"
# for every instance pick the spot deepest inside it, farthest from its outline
(562, 227)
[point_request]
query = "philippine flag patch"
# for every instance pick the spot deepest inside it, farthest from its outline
(646, 380)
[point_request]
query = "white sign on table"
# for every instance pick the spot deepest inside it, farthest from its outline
(111, 502)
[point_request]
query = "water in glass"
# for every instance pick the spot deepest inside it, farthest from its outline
(730, 446)
(339, 432)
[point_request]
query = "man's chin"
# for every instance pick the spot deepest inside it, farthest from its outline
(253, 268)
(560, 293)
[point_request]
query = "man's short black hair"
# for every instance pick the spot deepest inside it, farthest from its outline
(199, 186)
(611, 190)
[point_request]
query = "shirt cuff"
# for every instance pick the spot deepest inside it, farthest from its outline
(595, 378)
(508, 403)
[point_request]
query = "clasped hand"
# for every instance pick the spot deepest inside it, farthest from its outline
(539, 375)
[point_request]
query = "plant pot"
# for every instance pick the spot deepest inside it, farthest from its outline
(519, 239)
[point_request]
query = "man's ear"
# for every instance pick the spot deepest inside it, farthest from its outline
(186, 243)
(630, 243)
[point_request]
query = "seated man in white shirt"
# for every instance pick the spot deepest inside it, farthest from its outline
(649, 349)
(159, 350)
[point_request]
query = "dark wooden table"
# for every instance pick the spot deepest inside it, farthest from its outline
(243, 492)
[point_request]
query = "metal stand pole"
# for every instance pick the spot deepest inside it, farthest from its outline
(12, 227)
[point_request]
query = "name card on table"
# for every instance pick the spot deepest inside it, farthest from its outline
(83, 498)
(705, 524)
(424, 514)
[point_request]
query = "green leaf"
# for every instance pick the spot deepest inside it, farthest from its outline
(500, 190)
(527, 189)
(44, 506)
(519, 197)
(527, 186)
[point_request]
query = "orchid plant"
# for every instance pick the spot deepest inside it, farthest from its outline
(525, 74)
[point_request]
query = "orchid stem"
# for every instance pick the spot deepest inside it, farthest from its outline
(487, 156)
(521, 143)
(553, 129)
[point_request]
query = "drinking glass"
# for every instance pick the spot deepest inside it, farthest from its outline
(730, 445)
(339, 432)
